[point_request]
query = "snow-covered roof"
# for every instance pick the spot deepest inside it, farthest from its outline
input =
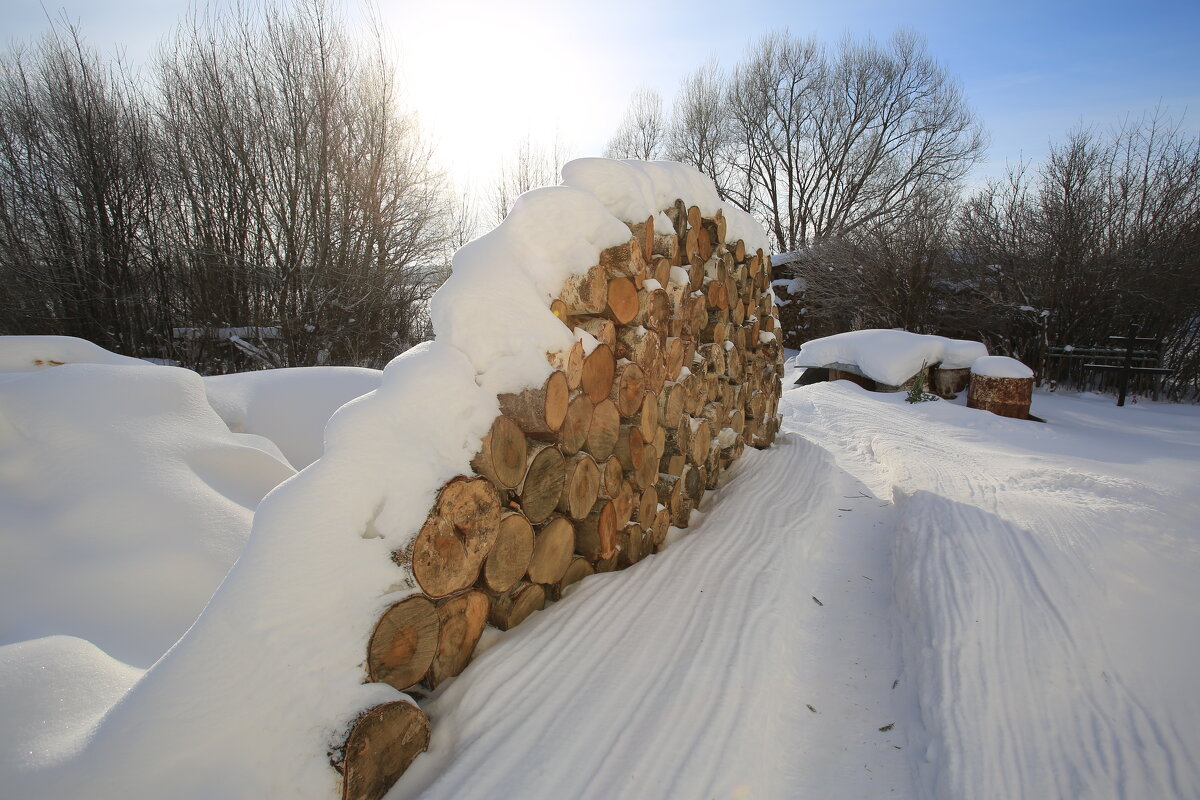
(889, 356)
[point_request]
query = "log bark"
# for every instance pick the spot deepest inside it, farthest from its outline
(638, 344)
(603, 430)
(404, 643)
(543, 483)
(570, 362)
(539, 411)
(622, 259)
(586, 293)
(381, 746)
(463, 618)
(604, 329)
(509, 558)
(553, 550)
(581, 488)
(501, 458)
(515, 605)
(654, 309)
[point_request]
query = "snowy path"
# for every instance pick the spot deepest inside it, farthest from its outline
(690, 674)
(1045, 665)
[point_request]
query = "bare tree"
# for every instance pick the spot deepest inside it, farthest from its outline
(77, 166)
(1105, 237)
(699, 132)
(642, 133)
(830, 143)
(303, 199)
(532, 166)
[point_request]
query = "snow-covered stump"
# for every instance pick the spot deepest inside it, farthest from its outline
(673, 369)
(1001, 385)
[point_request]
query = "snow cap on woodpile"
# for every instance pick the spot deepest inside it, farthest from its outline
(889, 356)
(272, 671)
(634, 190)
(1000, 367)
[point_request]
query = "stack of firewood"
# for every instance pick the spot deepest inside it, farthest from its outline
(675, 369)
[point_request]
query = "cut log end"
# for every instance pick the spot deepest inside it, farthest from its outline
(463, 618)
(381, 746)
(404, 643)
(509, 558)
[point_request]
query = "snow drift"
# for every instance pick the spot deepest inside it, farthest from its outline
(125, 497)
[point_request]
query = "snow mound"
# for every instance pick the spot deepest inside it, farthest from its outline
(24, 353)
(53, 691)
(888, 356)
(126, 500)
(1000, 367)
(271, 673)
(288, 406)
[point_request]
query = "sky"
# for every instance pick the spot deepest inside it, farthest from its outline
(483, 76)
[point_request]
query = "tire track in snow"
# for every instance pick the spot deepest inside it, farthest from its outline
(1000, 576)
(674, 678)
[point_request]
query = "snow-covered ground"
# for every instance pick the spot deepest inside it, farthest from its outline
(895, 600)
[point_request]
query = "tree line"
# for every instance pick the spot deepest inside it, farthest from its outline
(257, 184)
(854, 159)
(258, 179)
